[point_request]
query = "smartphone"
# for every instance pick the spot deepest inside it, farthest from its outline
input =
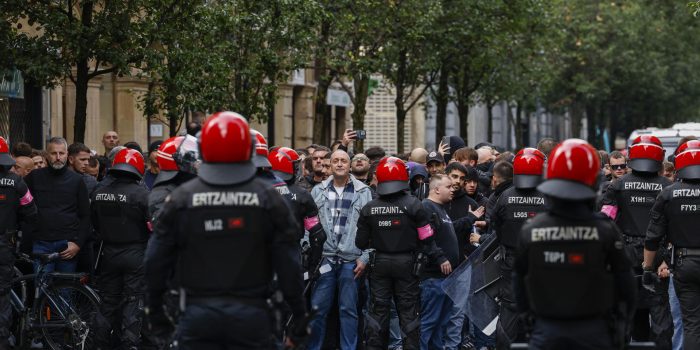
(360, 134)
(446, 141)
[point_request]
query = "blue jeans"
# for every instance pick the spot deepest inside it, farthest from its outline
(47, 247)
(676, 313)
(436, 309)
(341, 277)
(455, 325)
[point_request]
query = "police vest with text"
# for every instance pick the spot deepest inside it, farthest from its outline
(122, 213)
(225, 239)
(519, 206)
(568, 276)
(636, 196)
(393, 225)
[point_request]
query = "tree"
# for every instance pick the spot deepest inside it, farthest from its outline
(225, 55)
(363, 30)
(409, 63)
(76, 40)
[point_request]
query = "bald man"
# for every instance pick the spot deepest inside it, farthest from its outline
(110, 140)
(23, 166)
(419, 155)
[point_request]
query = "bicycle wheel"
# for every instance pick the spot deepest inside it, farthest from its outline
(80, 308)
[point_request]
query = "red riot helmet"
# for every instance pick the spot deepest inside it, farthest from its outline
(5, 157)
(284, 162)
(129, 161)
(646, 154)
(177, 154)
(392, 176)
(226, 147)
(573, 170)
(687, 160)
(261, 152)
(528, 168)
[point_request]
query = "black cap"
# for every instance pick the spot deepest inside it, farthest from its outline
(154, 146)
(434, 157)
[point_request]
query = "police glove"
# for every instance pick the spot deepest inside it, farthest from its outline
(159, 324)
(648, 279)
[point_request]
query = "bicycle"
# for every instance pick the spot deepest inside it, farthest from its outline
(64, 311)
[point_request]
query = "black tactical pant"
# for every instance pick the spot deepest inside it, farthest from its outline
(652, 319)
(225, 323)
(392, 277)
(121, 286)
(7, 263)
(686, 280)
(593, 334)
(509, 326)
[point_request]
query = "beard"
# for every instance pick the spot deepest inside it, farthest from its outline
(58, 165)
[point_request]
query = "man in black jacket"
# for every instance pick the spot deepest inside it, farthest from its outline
(62, 199)
(436, 306)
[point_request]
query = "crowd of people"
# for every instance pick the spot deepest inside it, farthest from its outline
(360, 244)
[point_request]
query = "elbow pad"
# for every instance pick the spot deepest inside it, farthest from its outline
(317, 235)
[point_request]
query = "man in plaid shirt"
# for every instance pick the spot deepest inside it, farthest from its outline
(339, 199)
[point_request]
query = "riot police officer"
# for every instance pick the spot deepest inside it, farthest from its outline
(178, 160)
(393, 225)
(225, 233)
(16, 206)
(570, 269)
(512, 209)
(628, 201)
(285, 165)
(676, 217)
(119, 214)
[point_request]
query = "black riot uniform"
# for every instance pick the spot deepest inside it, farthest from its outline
(120, 218)
(391, 225)
(162, 190)
(571, 273)
(633, 196)
(676, 217)
(225, 234)
(394, 226)
(16, 205)
(512, 209)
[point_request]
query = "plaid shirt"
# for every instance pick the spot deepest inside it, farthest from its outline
(339, 204)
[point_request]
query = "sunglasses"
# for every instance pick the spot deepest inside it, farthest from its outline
(618, 166)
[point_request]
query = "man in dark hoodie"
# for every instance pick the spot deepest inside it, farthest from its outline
(471, 187)
(502, 180)
(436, 306)
(459, 207)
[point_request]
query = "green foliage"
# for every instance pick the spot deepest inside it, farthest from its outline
(225, 55)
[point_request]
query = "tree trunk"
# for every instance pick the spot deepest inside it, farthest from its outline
(519, 126)
(592, 125)
(322, 109)
(400, 125)
(489, 116)
(401, 112)
(463, 106)
(81, 88)
(463, 111)
(361, 84)
(441, 101)
(576, 112)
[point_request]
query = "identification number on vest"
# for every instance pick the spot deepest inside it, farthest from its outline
(564, 258)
